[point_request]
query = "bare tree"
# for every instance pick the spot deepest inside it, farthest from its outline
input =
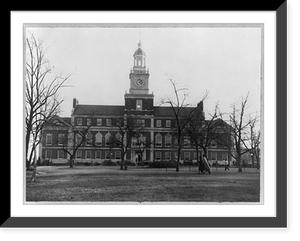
(203, 132)
(77, 136)
(254, 141)
(128, 126)
(239, 130)
(41, 95)
(183, 113)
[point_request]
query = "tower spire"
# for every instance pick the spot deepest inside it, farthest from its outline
(140, 42)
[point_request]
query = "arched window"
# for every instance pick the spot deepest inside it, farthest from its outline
(186, 141)
(133, 141)
(88, 139)
(168, 140)
(98, 139)
(213, 144)
(158, 140)
(78, 139)
(108, 139)
(118, 139)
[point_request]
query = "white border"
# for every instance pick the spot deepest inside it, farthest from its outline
(20, 210)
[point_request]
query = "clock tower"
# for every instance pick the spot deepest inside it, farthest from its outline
(138, 98)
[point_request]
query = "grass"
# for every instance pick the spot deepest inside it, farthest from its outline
(138, 184)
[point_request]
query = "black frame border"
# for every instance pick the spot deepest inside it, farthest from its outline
(281, 219)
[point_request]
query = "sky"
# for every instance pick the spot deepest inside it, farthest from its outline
(224, 61)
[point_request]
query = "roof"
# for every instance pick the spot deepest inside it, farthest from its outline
(118, 110)
(58, 121)
(66, 120)
(139, 51)
(163, 111)
(94, 110)
(167, 111)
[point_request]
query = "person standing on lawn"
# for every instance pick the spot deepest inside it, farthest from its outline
(200, 166)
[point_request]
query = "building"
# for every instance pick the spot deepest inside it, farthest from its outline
(153, 138)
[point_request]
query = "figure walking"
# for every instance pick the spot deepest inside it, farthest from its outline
(200, 166)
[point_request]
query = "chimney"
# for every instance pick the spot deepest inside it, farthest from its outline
(75, 102)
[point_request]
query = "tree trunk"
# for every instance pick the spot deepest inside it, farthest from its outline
(71, 161)
(252, 159)
(122, 163)
(238, 162)
(27, 139)
(34, 168)
(178, 159)
(123, 153)
(197, 153)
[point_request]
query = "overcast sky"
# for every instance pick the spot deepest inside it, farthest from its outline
(226, 62)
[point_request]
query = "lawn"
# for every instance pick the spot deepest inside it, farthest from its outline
(141, 184)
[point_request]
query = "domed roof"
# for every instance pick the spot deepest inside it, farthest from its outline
(139, 51)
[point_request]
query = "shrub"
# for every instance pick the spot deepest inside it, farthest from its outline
(129, 163)
(109, 163)
(162, 164)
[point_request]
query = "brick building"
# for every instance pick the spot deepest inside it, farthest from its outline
(157, 128)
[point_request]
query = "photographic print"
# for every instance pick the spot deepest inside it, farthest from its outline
(143, 113)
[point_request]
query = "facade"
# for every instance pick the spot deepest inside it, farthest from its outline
(153, 139)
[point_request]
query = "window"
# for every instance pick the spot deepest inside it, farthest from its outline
(141, 139)
(108, 122)
(78, 154)
(213, 144)
(175, 141)
(187, 156)
(98, 154)
(79, 121)
(107, 154)
(158, 155)
(213, 156)
(195, 155)
(167, 155)
(168, 123)
(141, 122)
(88, 139)
(118, 155)
(99, 122)
(49, 139)
(224, 156)
(186, 141)
(60, 154)
(158, 123)
(48, 154)
(61, 138)
(158, 140)
(139, 104)
(88, 154)
(108, 139)
(133, 141)
(88, 121)
(78, 139)
(168, 140)
(98, 139)
(118, 139)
